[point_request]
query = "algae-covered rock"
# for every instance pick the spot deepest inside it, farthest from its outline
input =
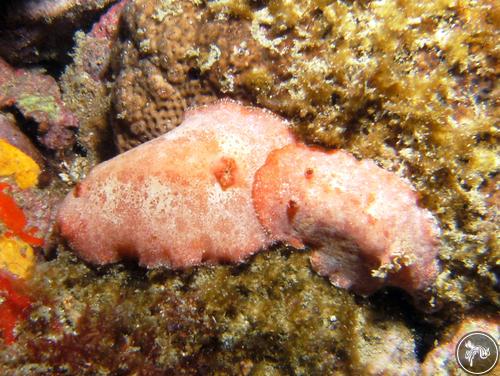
(37, 98)
(410, 85)
(86, 81)
(271, 316)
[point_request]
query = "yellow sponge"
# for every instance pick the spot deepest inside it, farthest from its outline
(14, 162)
(16, 257)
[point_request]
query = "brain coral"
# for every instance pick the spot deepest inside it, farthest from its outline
(409, 84)
(230, 181)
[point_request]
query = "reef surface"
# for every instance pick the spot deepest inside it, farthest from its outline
(410, 85)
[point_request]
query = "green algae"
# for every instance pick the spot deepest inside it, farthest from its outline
(34, 103)
(272, 314)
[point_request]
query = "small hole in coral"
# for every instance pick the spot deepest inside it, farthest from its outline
(335, 99)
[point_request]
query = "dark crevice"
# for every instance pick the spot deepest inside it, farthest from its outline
(61, 44)
(28, 126)
(396, 303)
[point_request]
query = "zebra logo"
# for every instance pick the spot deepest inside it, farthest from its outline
(477, 353)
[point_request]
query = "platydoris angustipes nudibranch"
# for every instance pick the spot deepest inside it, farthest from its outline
(232, 180)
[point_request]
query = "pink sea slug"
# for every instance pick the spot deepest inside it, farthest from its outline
(232, 180)
(182, 199)
(363, 221)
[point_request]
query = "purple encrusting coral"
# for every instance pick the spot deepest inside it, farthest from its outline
(102, 34)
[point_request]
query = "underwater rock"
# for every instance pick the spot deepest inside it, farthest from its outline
(188, 197)
(37, 97)
(13, 218)
(40, 209)
(107, 26)
(27, 211)
(35, 31)
(85, 85)
(408, 84)
(273, 316)
(363, 220)
(180, 200)
(387, 350)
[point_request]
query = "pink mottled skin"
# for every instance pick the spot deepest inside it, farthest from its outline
(357, 216)
(182, 199)
(230, 181)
